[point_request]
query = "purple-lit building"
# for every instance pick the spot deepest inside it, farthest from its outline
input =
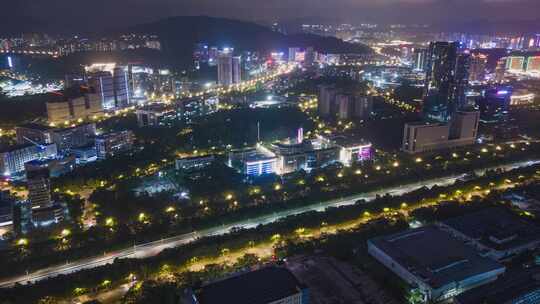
(494, 104)
(353, 151)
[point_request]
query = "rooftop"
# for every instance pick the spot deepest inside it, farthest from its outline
(5, 148)
(35, 126)
(157, 108)
(256, 154)
(513, 284)
(344, 141)
(426, 124)
(434, 255)
(83, 125)
(496, 224)
(197, 157)
(257, 287)
(41, 127)
(114, 134)
(525, 53)
(70, 93)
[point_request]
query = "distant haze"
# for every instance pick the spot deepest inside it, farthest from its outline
(28, 15)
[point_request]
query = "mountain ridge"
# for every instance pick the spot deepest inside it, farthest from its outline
(179, 34)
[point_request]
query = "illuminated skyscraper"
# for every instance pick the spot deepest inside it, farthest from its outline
(200, 52)
(229, 68)
(446, 80)
(292, 53)
(121, 87)
(103, 83)
(309, 57)
(225, 70)
(420, 56)
(500, 70)
(237, 69)
(461, 80)
(112, 87)
(213, 55)
(477, 72)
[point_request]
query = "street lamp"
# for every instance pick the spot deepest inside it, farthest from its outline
(65, 232)
(109, 221)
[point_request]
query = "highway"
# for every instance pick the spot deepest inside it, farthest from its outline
(154, 248)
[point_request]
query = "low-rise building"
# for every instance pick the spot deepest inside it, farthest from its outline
(13, 158)
(425, 136)
(196, 162)
(34, 133)
(352, 150)
(253, 161)
(307, 155)
(57, 166)
(519, 286)
(319, 152)
(496, 232)
(434, 262)
(524, 201)
(84, 155)
(6, 212)
(45, 216)
(522, 97)
(64, 138)
(113, 143)
(73, 104)
(269, 285)
(154, 115)
(74, 137)
(421, 137)
(293, 155)
(38, 181)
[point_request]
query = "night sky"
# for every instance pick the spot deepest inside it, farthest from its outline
(98, 14)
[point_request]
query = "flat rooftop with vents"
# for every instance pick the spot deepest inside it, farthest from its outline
(497, 232)
(516, 286)
(264, 286)
(432, 260)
